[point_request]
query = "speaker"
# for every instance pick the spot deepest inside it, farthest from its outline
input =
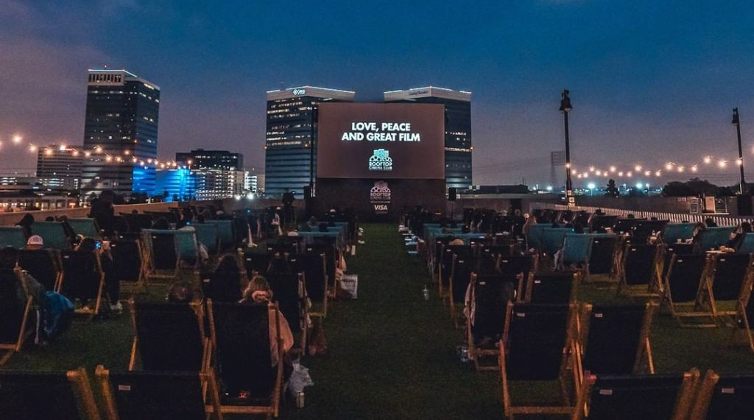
(452, 194)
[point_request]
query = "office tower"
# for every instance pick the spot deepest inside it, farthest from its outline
(457, 128)
(59, 166)
(291, 144)
(210, 159)
(122, 114)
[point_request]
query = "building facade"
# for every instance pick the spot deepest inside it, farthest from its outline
(291, 140)
(59, 167)
(122, 116)
(210, 159)
(458, 147)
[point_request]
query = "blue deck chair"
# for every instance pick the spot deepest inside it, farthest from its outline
(672, 233)
(552, 239)
(85, 226)
(534, 236)
(747, 245)
(53, 234)
(577, 248)
(12, 236)
(188, 248)
(714, 237)
(208, 235)
(224, 232)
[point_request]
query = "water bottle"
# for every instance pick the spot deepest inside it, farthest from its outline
(425, 292)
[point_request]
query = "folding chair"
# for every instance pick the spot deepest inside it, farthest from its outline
(15, 325)
(602, 258)
(86, 227)
(243, 360)
(686, 285)
(224, 233)
(169, 337)
(53, 234)
(256, 261)
(12, 236)
(43, 395)
(330, 259)
(645, 397)
(713, 237)
(577, 250)
(536, 347)
(289, 293)
(745, 313)
(460, 275)
(208, 235)
(552, 239)
(602, 222)
(44, 265)
(169, 395)
(487, 262)
(728, 276)
(446, 264)
(747, 245)
(673, 233)
(128, 267)
(558, 287)
(83, 279)
(315, 277)
(614, 339)
(724, 397)
(488, 297)
(640, 268)
(517, 269)
(161, 254)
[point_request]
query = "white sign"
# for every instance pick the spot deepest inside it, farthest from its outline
(381, 132)
(299, 92)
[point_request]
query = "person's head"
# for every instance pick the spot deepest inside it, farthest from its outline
(8, 258)
(180, 292)
(258, 290)
(35, 242)
(87, 244)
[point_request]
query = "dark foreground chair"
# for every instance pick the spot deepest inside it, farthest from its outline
(460, 275)
(489, 296)
(645, 397)
(536, 347)
(165, 395)
(289, 293)
(729, 397)
(685, 286)
(83, 279)
(315, 277)
(15, 326)
(128, 266)
(39, 395)
(243, 360)
(169, 337)
(556, 287)
(638, 275)
(44, 265)
(728, 277)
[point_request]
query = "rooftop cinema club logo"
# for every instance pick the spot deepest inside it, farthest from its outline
(380, 160)
(379, 196)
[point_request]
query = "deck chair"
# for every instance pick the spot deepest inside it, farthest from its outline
(713, 237)
(602, 222)
(516, 268)
(85, 226)
(169, 337)
(12, 236)
(728, 276)
(460, 275)
(686, 285)
(577, 250)
(15, 323)
(745, 313)
(256, 261)
(639, 268)
(241, 339)
(534, 236)
(43, 395)
(315, 277)
(208, 235)
(487, 262)
(289, 293)
(83, 279)
(44, 265)
(330, 259)
(552, 239)
(677, 232)
(224, 233)
(535, 347)
(489, 296)
(602, 258)
(558, 287)
(614, 339)
(446, 265)
(747, 245)
(128, 267)
(645, 397)
(168, 395)
(161, 252)
(53, 234)
(724, 397)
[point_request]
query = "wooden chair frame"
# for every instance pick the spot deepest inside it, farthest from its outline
(140, 284)
(150, 272)
(525, 297)
(274, 408)
(206, 378)
(198, 309)
(15, 347)
(100, 289)
(474, 352)
(654, 285)
(323, 312)
(568, 361)
(717, 314)
(702, 301)
(742, 319)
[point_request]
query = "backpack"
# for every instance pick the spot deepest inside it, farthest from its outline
(57, 314)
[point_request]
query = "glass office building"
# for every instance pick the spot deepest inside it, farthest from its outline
(122, 115)
(210, 159)
(291, 143)
(458, 163)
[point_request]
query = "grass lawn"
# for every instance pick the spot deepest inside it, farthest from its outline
(391, 353)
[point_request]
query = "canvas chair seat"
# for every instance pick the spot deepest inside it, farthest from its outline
(15, 310)
(12, 236)
(490, 295)
(556, 287)
(713, 237)
(86, 227)
(53, 233)
(724, 397)
(42, 395)
(83, 277)
(42, 264)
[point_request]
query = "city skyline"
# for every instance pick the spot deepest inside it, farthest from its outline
(649, 82)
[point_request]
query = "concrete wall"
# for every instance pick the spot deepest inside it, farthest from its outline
(13, 218)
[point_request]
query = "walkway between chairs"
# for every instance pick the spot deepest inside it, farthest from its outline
(391, 353)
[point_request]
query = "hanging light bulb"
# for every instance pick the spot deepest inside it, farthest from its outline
(707, 160)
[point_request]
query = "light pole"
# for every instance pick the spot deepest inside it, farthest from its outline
(565, 106)
(737, 122)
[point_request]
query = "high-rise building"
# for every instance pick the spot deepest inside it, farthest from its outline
(457, 128)
(122, 114)
(291, 144)
(210, 159)
(59, 166)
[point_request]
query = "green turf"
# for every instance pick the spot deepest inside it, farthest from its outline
(392, 354)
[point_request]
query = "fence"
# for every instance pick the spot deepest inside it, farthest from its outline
(672, 217)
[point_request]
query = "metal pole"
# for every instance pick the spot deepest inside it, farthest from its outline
(737, 122)
(565, 106)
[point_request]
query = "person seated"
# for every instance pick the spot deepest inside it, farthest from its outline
(29, 286)
(737, 237)
(224, 285)
(112, 284)
(259, 292)
(456, 241)
(35, 242)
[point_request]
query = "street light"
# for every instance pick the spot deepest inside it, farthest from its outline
(737, 122)
(565, 107)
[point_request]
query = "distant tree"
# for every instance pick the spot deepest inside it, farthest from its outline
(635, 192)
(611, 190)
(692, 188)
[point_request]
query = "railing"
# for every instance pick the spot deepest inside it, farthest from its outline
(672, 217)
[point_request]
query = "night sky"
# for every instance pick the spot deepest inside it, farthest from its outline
(651, 81)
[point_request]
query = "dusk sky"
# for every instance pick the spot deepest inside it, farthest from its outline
(650, 81)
